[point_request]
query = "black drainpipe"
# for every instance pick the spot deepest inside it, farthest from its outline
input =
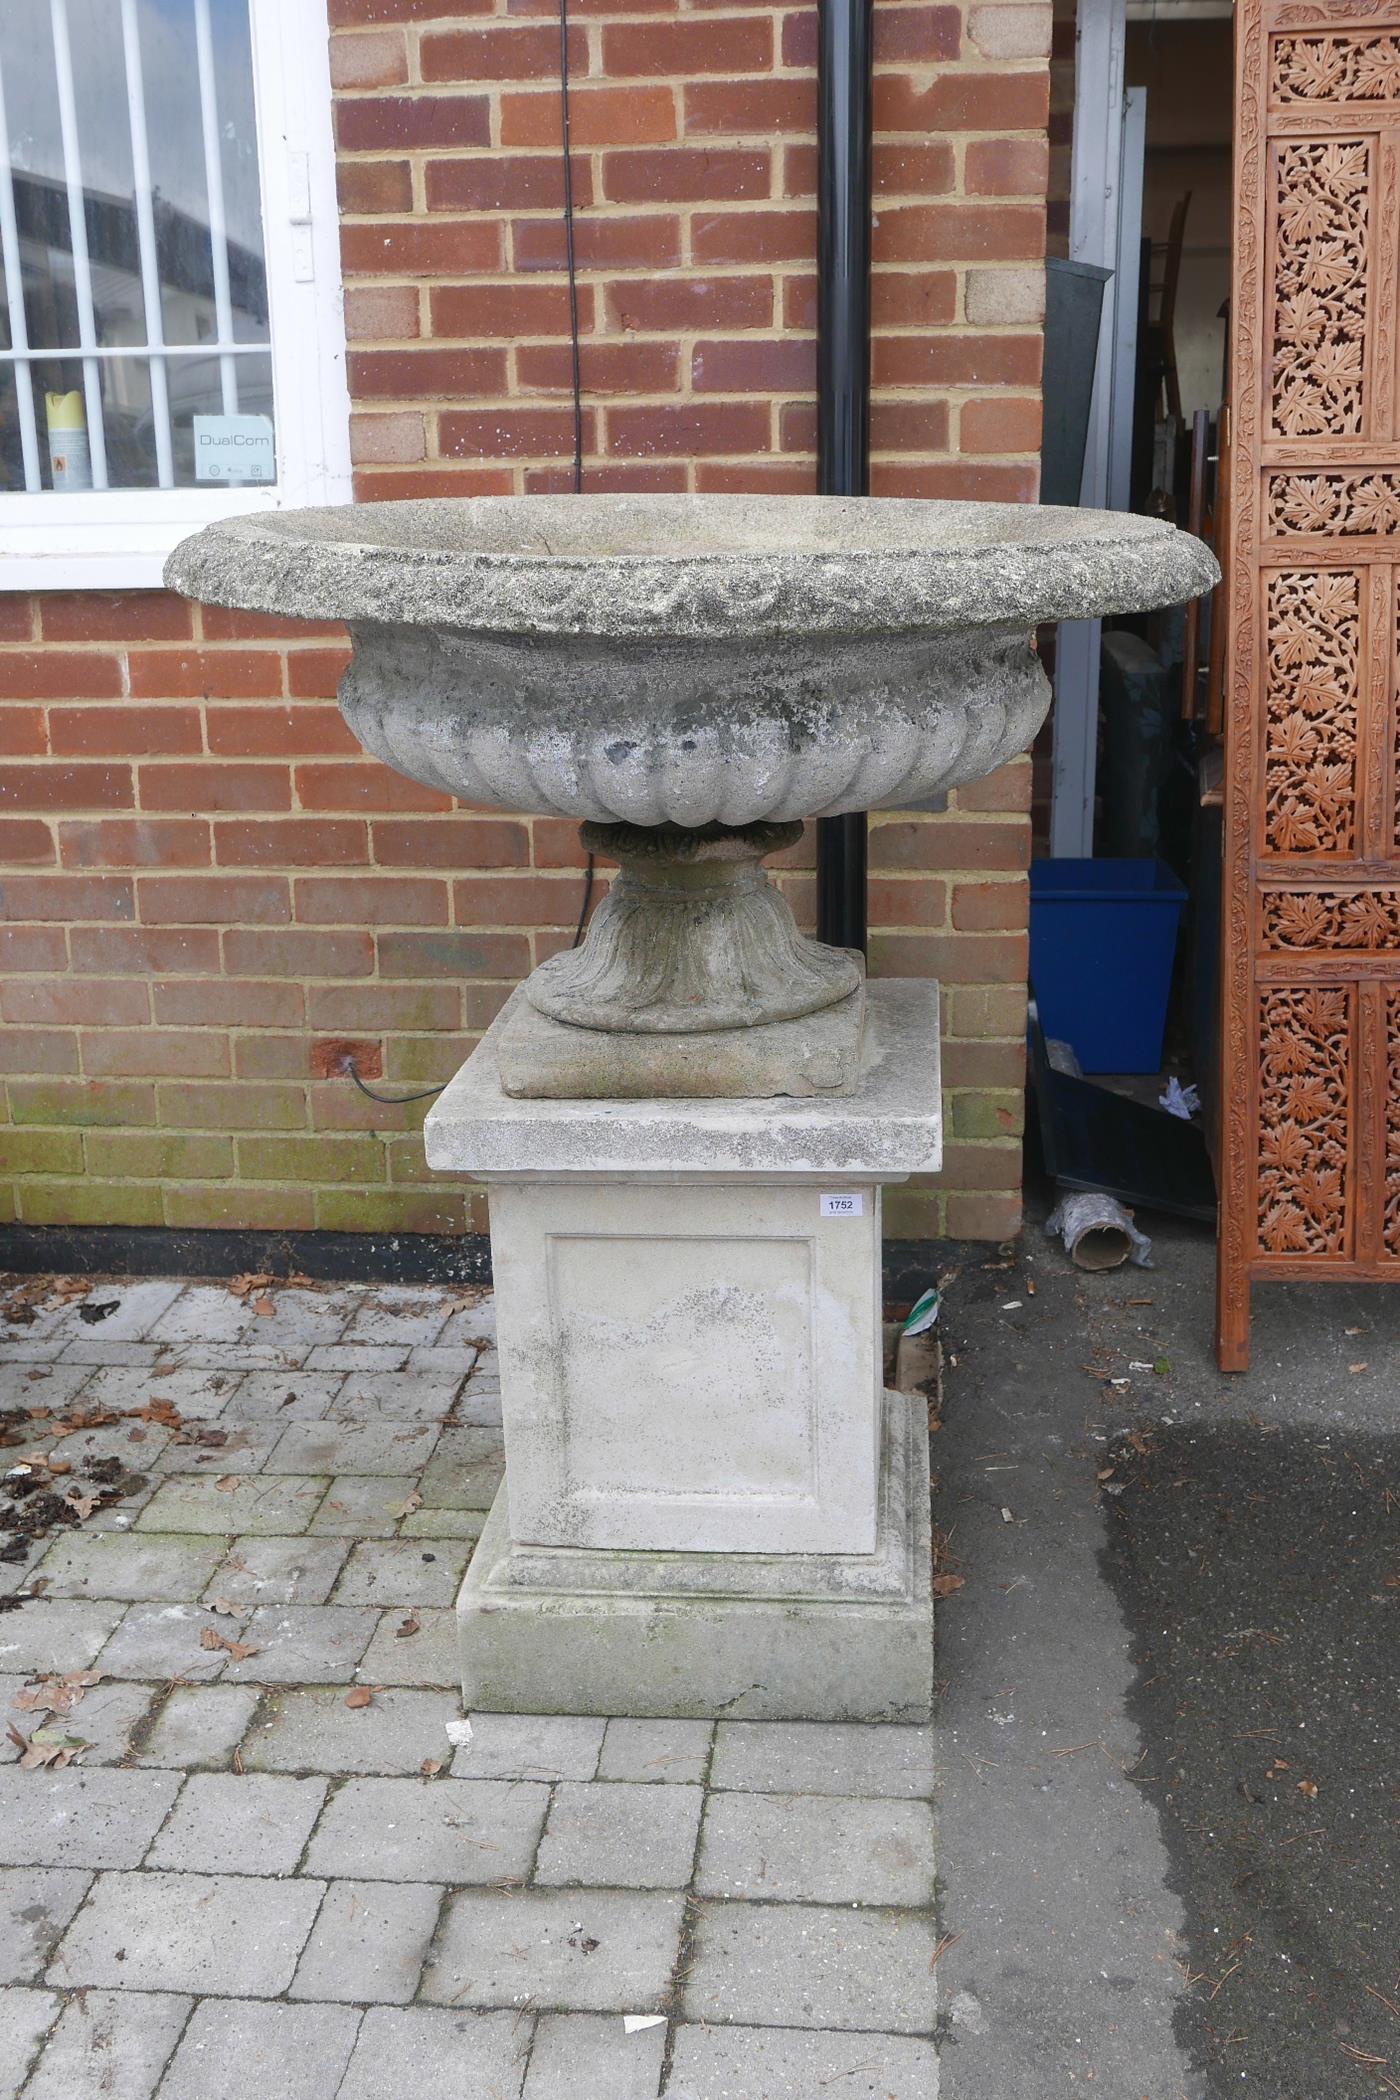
(843, 368)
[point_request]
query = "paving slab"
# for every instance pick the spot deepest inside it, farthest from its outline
(300, 1643)
(107, 1717)
(427, 1656)
(810, 1848)
(65, 1635)
(282, 2052)
(408, 1396)
(792, 2063)
(41, 1385)
(357, 1356)
(161, 1641)
(398, 1312)
(530, 1746)
(273, 1504)
(369, 1942)
(109, 2045)
(443, 1524)
(282, 1397)
(823, 1757)
(25, 2018)
(452, 1830)
(199, 1725)
(611, 1832)
(206, 1313)
(354, 1447)
(357, 1506)
(35, 1906)
(311, 1729)
(438, 2055)
(657, 1753)
(576, 2053)
(257, 1570)
(238, 1823)
(76, 1818)
(139, 1307)
(812, 1965)
(466, 1470)
(401, 1571)
(232, 1934)
(198, 1394)
(223, 1450)
(564, 1950)
(134, 1566)
(136, 1445)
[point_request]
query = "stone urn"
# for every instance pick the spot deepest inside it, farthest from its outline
(685, 1122)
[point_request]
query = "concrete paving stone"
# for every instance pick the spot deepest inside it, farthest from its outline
(41, 1385)
(672, 1753)
(356, 1356)
(107, 1717)
(444, 1524)
(242, 1448)
(368, 1944)
(199, 1395)
(283, 1396)
(479, 1407)
(139, 1306)
(401, 1571)
(161, 1641)
(466, 1470)
(238, 1823)
(137, 1445)
(810, 1965)
(454, 1830)
(199, 1724)
(439, 2055)
(35, 1906)
(793, 2063)
(353, 1447)
(137, 1567)
(274, 1504)
(78, 1818)
(398, 1313)
(30, 1345)
(593, 2053)
(611, 1833)
(64, 1635)
(823, 1757)
(364, 1506)
(446, 1357)
(564, 1950)
(231, 1933)
(91, 1347)
(234, 1357)
(302, 1643)
(424, 1396)
(285, 2052)
(429, 1656)
(530, 1746)
(9, 1685)
(813, 1848)
(311, 1729)
(211, 1313)
(473, 1320)
(25, 2018)
(15, 1574)
(278, 1571)
(109, 2045)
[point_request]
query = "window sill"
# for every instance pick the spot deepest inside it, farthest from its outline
(111, 540)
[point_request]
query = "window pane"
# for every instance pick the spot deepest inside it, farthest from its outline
(171, 225)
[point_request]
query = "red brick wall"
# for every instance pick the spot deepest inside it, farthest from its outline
(209, 888)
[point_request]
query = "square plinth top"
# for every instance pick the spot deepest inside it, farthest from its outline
(891, 1126)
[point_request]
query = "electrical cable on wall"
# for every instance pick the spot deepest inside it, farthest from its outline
(576, 375)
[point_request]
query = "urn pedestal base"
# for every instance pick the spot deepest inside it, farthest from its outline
(710, 1506)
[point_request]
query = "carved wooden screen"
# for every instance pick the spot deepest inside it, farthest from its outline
(1310, 1128)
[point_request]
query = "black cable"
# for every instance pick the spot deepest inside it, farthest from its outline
(570, 257)
(389, 1100)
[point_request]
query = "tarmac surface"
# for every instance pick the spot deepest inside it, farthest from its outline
(1170, 1738)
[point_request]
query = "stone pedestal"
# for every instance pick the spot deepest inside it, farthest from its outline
(710, 1505)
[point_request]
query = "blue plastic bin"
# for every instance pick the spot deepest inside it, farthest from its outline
(1103, 941)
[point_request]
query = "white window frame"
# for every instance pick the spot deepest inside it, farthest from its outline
(118, 539)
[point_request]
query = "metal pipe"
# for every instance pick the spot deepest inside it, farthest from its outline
(844, 54)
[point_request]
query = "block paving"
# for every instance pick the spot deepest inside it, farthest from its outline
(246, 1884)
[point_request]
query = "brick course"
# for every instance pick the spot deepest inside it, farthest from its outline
(208, 888)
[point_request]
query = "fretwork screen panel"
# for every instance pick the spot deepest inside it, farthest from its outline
(1310, 1144)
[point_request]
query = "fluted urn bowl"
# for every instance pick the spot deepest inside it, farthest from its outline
(706, 668)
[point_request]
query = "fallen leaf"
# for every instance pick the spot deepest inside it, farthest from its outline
(945, 1585)
(226, 1609)
(409, 1505)
(52, 1747)
(361, 1696)
(408, 1627)
(430, 1767)
(91, 1314)
(1308, 1787)
(227, 1482)
(82, 1505)
(1354, 1368)
(263, 1307)
(239, 1650)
